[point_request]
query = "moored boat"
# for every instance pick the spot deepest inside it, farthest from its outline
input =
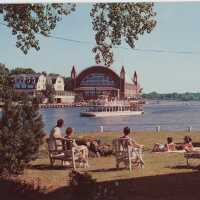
(117, 108)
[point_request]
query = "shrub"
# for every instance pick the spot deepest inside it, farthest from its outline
(83, 185)
(21, 134)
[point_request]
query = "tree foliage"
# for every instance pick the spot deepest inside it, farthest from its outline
(113, 23)
(6, 89)
(49, 93)
(21, 127)
(187, 96)
(28, 20)
(21, 70)
(4, 73)
(118, 22)
(21, 134)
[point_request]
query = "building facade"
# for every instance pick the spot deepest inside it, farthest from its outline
(100, 80)
(29, 83)
(36, 84)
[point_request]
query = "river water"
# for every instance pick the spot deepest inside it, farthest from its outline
(170, 116)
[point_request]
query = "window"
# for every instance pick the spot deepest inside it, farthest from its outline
(97, 79)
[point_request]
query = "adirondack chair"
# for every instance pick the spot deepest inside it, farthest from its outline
(55, 150)
(62, 149)
(127, 154)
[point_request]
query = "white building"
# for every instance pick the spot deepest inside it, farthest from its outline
(29, 83)
(58, 83)
(36, 83)
(61, 96)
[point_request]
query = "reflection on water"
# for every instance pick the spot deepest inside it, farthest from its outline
(169, 117)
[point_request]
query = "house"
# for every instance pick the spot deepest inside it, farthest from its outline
(29, 83)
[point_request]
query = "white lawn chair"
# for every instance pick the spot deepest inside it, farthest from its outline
(62, 149)
(127, 154)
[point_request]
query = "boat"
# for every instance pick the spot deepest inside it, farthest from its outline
(116, 108)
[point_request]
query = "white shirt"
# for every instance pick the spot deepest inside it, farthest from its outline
(56, 133)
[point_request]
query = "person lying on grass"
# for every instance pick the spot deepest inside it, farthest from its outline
(169, 146)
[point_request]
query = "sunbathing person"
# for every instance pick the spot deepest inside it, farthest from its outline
(169, 146)
(187, 146)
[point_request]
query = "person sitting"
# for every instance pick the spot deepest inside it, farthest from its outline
(82, 149)
(130, 140)
(169, 146)
(187, 146)
(56, 133)
(136, 147)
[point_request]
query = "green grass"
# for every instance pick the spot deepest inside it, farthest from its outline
(162, 170)
(101, 168)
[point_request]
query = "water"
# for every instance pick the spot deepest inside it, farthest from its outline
(175, 116)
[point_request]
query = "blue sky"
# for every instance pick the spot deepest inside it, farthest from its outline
(177, 29)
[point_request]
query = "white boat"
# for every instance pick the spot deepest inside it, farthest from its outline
(114, 109)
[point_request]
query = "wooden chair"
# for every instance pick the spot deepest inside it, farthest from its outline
(127, 154)
(62, 149)
(55, 150)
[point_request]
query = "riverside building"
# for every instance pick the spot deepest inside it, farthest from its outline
(36, 84)
(95, 81)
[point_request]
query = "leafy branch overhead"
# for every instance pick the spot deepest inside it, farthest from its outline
(112, 23)
(116, 22)
(27, 20)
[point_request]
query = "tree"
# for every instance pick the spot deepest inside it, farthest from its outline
(113, 23)
(4, 73)
(6, 89)
(116, 22)
(49, 93)
(68, 83)
(21, 134)
(28, 20)
(20, 70)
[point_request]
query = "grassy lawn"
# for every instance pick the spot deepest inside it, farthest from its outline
(164, 173)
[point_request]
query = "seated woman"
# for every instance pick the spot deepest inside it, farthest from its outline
(187, 146)
(170, 146)
(70, 142)
(136, 147)
(130, 140)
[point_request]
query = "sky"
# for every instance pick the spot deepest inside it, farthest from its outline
(177, 30)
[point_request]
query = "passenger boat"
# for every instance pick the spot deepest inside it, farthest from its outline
(117, 108)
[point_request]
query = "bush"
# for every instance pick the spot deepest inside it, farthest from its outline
(19, 189)
(83, 185)
(21, 134)
(86, 188)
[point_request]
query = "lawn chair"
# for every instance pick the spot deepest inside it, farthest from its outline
(62, 149)
(127, 154)
(55, 150)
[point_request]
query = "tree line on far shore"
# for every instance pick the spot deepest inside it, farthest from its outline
(187, 96)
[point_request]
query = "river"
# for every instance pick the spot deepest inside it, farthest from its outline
(170, 116)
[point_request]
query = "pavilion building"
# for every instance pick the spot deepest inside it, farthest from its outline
(100, 80)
